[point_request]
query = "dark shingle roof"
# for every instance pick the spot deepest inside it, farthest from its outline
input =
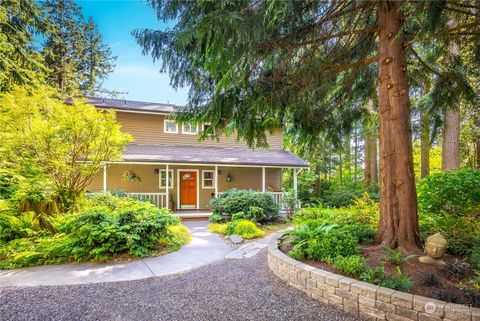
(211, 155)
(130, 105)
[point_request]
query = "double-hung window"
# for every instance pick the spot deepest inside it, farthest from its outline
(170, 126)
(190, 129)
(163, 178)
(208, 179)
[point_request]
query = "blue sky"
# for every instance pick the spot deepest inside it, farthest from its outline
(134, 73)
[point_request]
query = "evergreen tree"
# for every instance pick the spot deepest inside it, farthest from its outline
(256, 65)
(97, 61)
(20, 63)
(74, 51)
(65, 46)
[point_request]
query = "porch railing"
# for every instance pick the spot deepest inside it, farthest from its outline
(279, 198)
(158, 199)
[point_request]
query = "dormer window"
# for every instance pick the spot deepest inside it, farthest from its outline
(190, 129)
(170, 126)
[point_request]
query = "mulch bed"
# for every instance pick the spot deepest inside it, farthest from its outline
(445, 280)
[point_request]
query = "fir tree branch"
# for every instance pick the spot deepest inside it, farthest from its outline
(424, 64)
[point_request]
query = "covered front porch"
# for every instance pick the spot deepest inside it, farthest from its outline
(185, 178)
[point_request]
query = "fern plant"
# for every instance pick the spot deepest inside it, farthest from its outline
(395, 257)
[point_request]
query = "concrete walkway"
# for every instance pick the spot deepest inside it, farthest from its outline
(204, 249)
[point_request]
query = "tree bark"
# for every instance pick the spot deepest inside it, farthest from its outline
(477, 144)
(451, 140)
(371, 168)
(424, 144)
(398, 199)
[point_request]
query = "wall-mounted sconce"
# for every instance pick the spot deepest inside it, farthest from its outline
(156, 171)
(229, 178)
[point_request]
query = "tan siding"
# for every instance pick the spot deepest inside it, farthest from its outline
(242, 178)
(149, 129)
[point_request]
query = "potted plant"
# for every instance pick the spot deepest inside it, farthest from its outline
(130, 175)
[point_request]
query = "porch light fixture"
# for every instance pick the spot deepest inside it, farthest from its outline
(156, 171)
(229, 178)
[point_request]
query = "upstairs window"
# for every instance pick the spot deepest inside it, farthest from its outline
(208, 179)
(190, 129)
(170, 126)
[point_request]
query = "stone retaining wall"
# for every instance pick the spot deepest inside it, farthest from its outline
(362, 299)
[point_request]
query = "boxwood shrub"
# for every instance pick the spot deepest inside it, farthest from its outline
(247, 201)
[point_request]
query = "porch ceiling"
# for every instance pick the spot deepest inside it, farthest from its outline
(211, 155)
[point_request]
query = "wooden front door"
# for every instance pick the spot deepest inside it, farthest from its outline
(188, 189)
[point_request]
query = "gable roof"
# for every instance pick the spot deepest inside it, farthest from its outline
(129, 105)
(211, 155)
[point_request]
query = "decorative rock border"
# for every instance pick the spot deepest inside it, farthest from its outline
(362, 299)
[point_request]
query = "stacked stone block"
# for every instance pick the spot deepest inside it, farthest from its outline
(361, 299)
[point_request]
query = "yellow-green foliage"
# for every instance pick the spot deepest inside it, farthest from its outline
(179, 236)
(245, 229)
(219, 228)
(363, 211)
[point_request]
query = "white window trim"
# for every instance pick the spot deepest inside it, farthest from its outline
(165, 126)
(189, 133)
(170, 177)
(213, 179)
(203, 126)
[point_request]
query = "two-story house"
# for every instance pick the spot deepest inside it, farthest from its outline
(171, 163)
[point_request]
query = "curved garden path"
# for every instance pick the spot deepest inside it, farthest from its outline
(205, 248)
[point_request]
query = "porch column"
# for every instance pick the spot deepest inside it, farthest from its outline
(295, 193)
(167, 199)
(263, 180)
(216, 181)
(104, 177)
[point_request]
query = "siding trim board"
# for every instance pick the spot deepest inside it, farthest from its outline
(204, 164)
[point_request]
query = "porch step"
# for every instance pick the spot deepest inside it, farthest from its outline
(192, 215)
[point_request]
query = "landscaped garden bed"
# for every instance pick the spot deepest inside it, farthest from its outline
(248, 214)
(342, 241)
(105, 228)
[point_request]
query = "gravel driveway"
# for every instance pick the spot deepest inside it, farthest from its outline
(229, 290)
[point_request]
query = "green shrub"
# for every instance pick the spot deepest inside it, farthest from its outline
(398, 282)
(475, 258)
(245, 229)
(238, 216)
(234, 201)
(16, 226)
(324, 242)
(462, 233)
(456, 193)
(363, 211)
(353, 265)
(9, 184)
(219, 228)
(97, 233)
(177, 236)
(135, 230)
(215, 218)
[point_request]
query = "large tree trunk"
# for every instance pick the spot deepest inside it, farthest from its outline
(425, 144)
(371, 169)
(398, 199)
(477, 144)
(451, 140)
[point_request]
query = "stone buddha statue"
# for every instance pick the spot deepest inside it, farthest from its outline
(435, 250)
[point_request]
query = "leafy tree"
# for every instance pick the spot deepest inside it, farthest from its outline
(20, 63)
(64, 144)
(256, 65)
